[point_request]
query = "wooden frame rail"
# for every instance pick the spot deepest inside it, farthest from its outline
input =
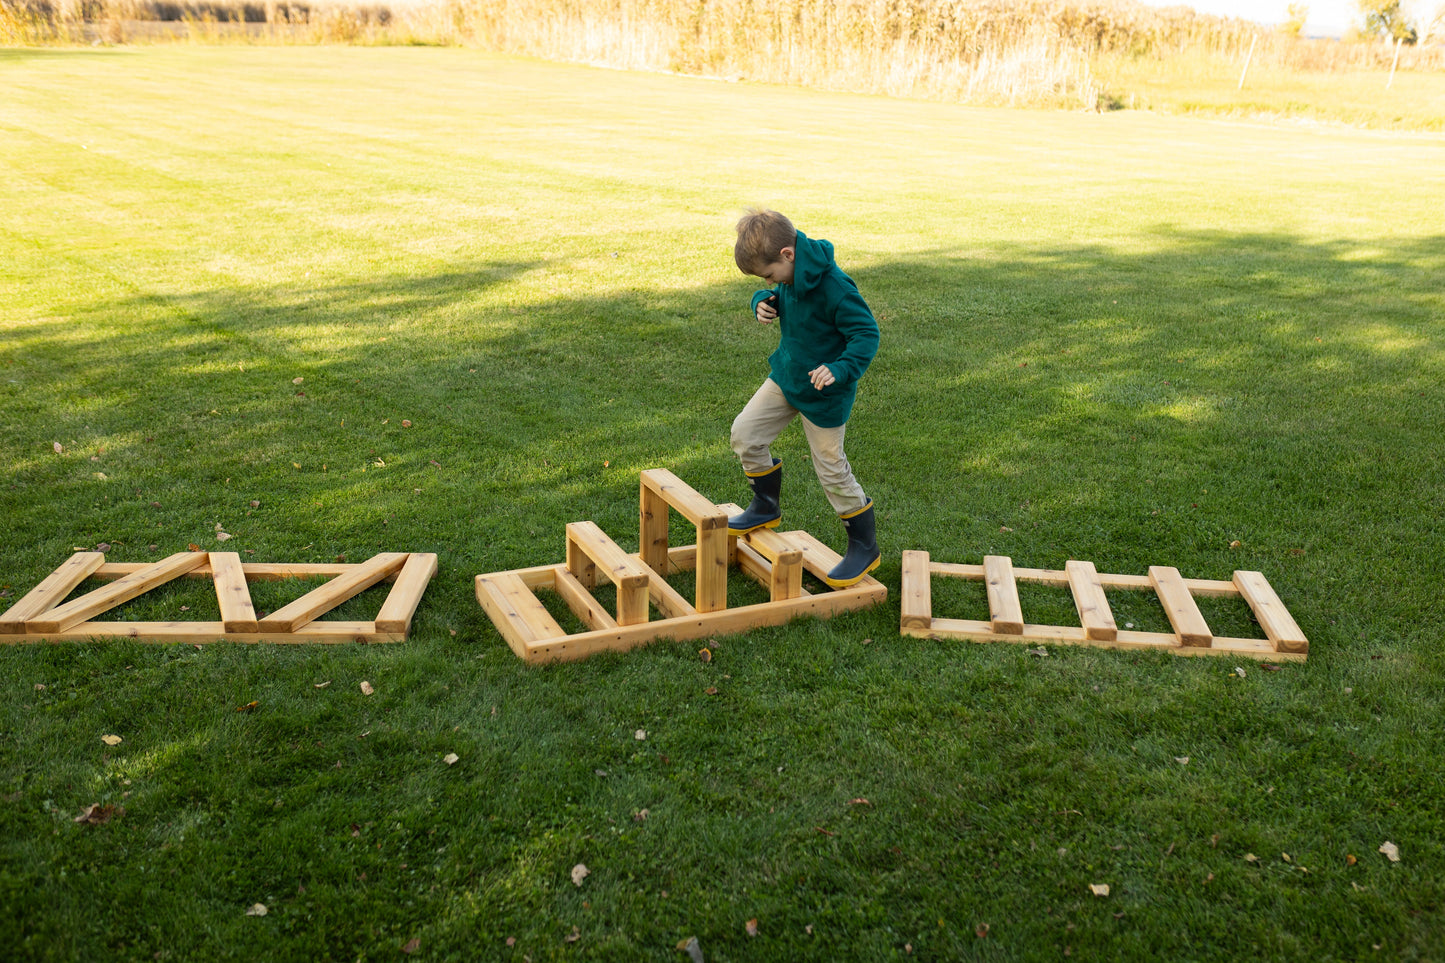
(44, 614)
(1191, 636)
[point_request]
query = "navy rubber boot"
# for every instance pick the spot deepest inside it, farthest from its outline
(765, 510)
(862, 556)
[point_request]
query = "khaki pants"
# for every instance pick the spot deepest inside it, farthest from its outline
(763, 420)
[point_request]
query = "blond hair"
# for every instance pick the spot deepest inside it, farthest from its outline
(762, 235)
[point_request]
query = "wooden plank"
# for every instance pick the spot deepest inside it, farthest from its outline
(326, 597)
(698, 510)
(255, 571)
(54, 588)
(401, 603)
(917, 599)
(1004, 611)
(581, 602)
(202, 632)
(742, 619)
(582, 568)
(109, 596)
(787, 580)
(624, 571)
(1093, 605)
(975, 631)
(515, 611)
(652, 529)
(1279, 626)
(1179, 606)
(232, 593)
(712, 567)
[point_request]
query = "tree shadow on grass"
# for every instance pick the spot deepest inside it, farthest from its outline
(1070, 401)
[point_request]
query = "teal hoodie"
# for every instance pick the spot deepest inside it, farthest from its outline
(823, 320)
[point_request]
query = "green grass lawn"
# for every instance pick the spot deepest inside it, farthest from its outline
(1128, 338)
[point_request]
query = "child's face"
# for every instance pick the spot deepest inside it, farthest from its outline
(781, 270)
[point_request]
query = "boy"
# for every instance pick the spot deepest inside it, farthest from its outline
(828, 337)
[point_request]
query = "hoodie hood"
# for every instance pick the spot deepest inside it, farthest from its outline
(811, 260)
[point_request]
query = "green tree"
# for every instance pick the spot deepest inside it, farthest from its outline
(1295, 16)
(1386, 19)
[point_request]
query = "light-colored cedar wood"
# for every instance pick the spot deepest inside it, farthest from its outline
(622, 638)
(917, 597)
(819, 559)
(1004, 611)
(712, 568)
(581, 602)
(516, 612)
(203, 632)
(232, 593)
(401, 603)
(1270, 612)
(669, 601)
(109, 596)
(652, 529)
(694, 507)
(255, 571)
(624, 571)
(583, 568)
(324, 598)
(1179, 606)
(1094, 613)
(786, 581)
(754, 566)
(1202, 587)
(56, 586)
(976, 631)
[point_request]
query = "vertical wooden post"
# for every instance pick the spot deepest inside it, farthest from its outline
(1247, 61)
(652, 530)
(712, 564)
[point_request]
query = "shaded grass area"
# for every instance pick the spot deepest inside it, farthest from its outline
(1168, 338)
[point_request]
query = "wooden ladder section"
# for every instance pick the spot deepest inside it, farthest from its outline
(1191, 636)
(45, 615)
(775, 560)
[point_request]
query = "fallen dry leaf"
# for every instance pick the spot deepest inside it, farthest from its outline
(691, 947)
(752, 927)
(366, 688)
(406, 422)
(981, 930)
(710, 690)
(223, 536)
(1286, 857)
(640, 815)
(254, 503)
(248, 706)
(640, 735)
(860, 801)
(511, 941)
(705, 654)
(1182, 760)
(256, 909)
(1234, 544)
(1350, 859)
(58, 448)
(1391, 851)
(322, 685)
(1270, 667)
(1040, 652)
(1251, 858)
(1239, 672)
(1099, 889)
(572, 937)
(412, 945)
(297, 381)
(579, 873)
(96, 814)
(451, 759)
(111, 740)
(1004, 528)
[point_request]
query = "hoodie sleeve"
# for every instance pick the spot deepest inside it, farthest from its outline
(855, 323)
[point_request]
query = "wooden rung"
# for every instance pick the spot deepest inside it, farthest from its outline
(109, 596)
(56, 586)
(1184, 615)
(1279, 626)
(324, 598)
(1004, 611)
(401, 603)
(232, 593)
(581, 602)
(515, 611)
(617, 566)
(1094, 613)
(917, 599)
(669, 601)
(698, 510)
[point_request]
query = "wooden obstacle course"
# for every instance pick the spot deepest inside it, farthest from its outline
(1191, 636)
(44, 615)
(775, 560)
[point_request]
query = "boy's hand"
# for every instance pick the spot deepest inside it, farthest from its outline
(821, 377)
(767, 310)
